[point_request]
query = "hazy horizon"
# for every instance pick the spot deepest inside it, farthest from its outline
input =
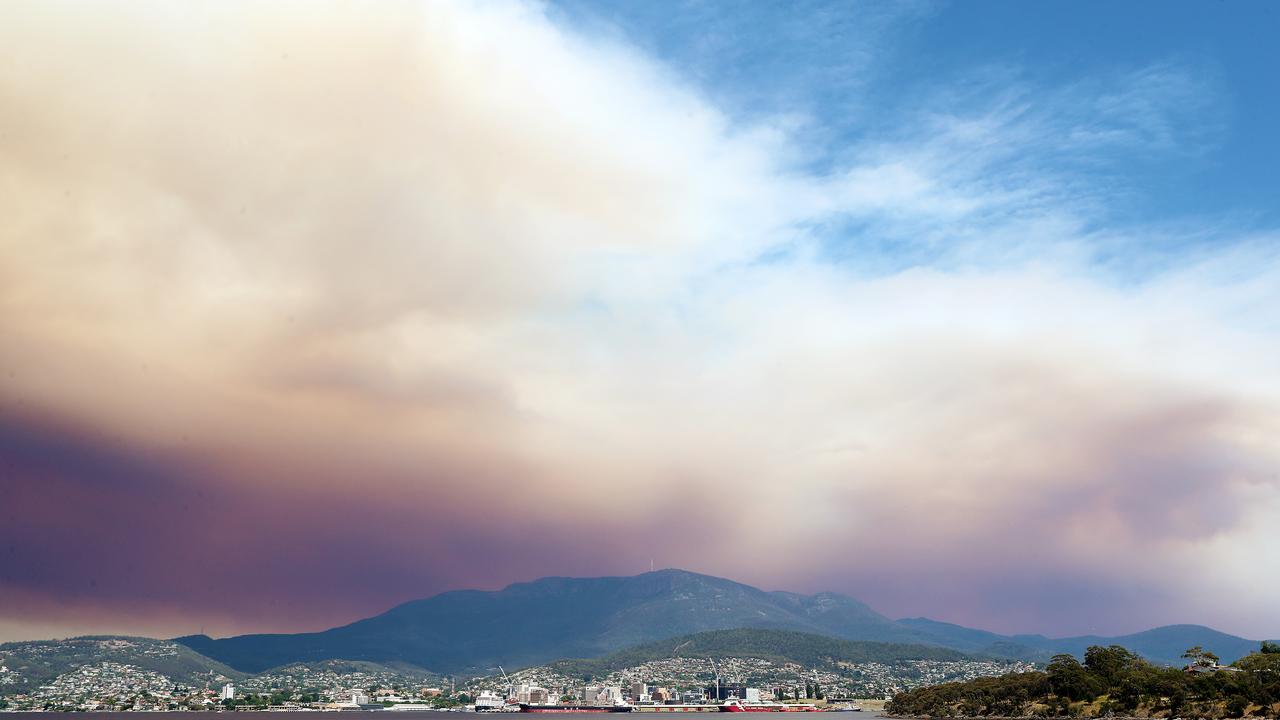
(965, 310)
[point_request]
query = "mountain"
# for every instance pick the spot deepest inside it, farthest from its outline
(37, 662)
(535, 622)
(783, 646)
(471, 631)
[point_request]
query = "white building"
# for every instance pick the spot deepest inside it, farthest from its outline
(602, 695)
(228, 692)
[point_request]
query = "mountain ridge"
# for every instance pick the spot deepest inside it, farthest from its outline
(534, 622)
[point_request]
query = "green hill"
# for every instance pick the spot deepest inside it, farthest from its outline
(37, 662)
(348, 667)
(301, 674)
(807, 649)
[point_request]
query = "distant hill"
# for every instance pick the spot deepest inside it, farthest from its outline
(1164, 644)
(471, 631)
(30, 664)
(812, 651)
(38, 662)
(1159, 645)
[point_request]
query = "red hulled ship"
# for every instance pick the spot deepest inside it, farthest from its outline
(526, 708)
(736, 705)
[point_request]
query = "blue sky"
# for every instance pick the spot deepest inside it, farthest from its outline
(1199, 146)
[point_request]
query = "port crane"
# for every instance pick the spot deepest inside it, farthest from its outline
(510, 686)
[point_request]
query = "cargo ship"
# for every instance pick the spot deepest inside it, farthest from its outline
(686, 708)
(736, 705)
(527, 708)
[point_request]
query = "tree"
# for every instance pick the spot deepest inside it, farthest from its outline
(1236, 706)
(1270, 648)
(1260, 664)
(1199, 656)
(1110, 663)
(1069, 679)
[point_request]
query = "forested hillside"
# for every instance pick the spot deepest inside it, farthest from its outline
(809, 650)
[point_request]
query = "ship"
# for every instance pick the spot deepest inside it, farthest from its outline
(527, 708)
(679, 708)
(735, 705)
(488, 701)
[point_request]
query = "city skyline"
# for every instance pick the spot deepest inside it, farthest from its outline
(967, 311)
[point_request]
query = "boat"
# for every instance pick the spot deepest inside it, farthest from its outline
(488, 701)
(527, 708)
(680, 708)
(735, 705)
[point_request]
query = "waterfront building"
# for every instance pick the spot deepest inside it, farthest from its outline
(531, 694)
(602, 694)
(725, 691)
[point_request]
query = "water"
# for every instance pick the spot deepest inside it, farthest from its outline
(378, 715)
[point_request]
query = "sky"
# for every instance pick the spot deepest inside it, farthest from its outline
(967, 310)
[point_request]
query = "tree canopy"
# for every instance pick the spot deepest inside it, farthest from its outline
(1112, 681)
